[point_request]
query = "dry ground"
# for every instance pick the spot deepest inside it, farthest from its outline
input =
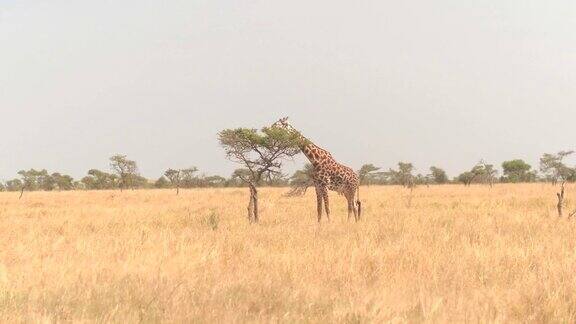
(449, 253)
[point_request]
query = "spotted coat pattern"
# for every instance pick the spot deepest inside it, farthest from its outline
(328, 175)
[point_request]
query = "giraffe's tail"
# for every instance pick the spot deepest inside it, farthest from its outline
(358, 202)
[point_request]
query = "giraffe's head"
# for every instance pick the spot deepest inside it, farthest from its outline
(283, 123)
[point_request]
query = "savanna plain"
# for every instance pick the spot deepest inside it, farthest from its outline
(435, 254)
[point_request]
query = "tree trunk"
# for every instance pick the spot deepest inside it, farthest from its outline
(560, 200)
(255, 197)
(21, 192)
(177, 190)
(250, 208)
(253, 205)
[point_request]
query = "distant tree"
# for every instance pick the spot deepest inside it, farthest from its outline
(383, 177)
(484, 173)
(62, 181)
(2, 187)
(138, 181)
(162, 183)
(275, 180)
(34, 180)
(175, 178)
(214, 181)
(421, 179)
(188, 178)
(301, 180)
(14, 185)
(466, 178)
(427, 179)
(438, 175)
(47, 182)
(89, 183)
(260, 153)
(126, 170)
(366, 173)
(238, 175)
(79, 185)
(28, 182)
(99, 180)
(554, 169)
(403, 176)
(480, 173)
(489, 173)
(517, 171)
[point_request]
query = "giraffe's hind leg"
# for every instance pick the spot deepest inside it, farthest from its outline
(351, 207)
(326, 202)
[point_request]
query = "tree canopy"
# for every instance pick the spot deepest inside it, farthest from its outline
(438, 175)
(554, 169)
(366, 173)
(260, 153)
(517, 171)
(125, 169)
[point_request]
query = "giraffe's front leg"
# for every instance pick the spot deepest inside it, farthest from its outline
(319, 198)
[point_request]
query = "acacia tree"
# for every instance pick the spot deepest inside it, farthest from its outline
(403, 176)
(517, 171)
(188, 179)
(275, 180)
(214, 181)
(62, 181)
(466, 178)
(482, 172)
(99, 180)
(162, 183)
(27, 181)
(33, 180)
(365, 174)
(238, 175)
(260, 153)
(175, 177)
(127, 170)
(486, 172)
(438, 175)
(14, 185)
(301, 180)
(554, 169)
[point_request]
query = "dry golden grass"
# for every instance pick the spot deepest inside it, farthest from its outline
(453, 254)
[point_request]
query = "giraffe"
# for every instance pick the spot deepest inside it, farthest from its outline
(328, 175)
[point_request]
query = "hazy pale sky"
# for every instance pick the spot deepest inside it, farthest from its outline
(432, 82)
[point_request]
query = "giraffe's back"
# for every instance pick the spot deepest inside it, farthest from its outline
(337, 177)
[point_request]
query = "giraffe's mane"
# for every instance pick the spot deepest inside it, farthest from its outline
(306, 142)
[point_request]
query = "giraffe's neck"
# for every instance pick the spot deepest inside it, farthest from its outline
(313, 152)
